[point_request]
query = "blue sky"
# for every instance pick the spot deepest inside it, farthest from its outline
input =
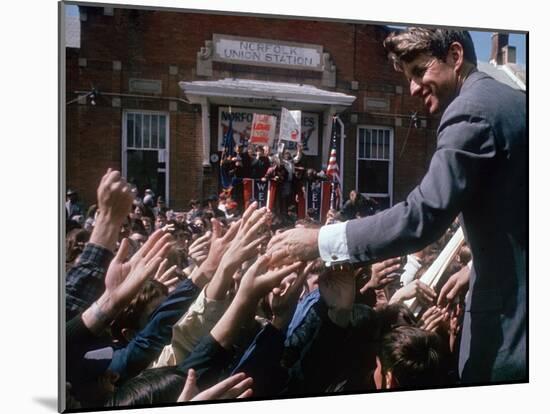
(482, 41)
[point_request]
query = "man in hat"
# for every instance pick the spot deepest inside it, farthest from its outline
(73, 206)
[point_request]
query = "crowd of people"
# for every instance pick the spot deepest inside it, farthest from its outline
(164, 307)
(235, 300)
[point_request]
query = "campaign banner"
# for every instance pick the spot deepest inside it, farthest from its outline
(264, 192)
(318, 200)
(291, 126)
(242, 126)
(263, 129)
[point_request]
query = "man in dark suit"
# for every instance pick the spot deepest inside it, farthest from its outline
(479, 170)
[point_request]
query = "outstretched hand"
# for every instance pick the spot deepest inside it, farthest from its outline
(167, 277)
(250, 235)
(382, 273)
(124, 280)
(219, 243)
(120, 268)
(114, 200)
(198, 251)
(284, 298)
(433, 318)
(260, 280)
(416, 289)
(455, 288)
(114, 196)
(297, 244)
(237, 386)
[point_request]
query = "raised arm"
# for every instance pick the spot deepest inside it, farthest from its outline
(85, 281)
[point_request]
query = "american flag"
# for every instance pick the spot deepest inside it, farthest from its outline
(228, 151)
(333, 171)
(228, 141)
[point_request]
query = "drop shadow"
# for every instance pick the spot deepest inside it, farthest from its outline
(48, 402)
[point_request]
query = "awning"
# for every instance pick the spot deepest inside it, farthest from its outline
(224, 90)
(263, 94)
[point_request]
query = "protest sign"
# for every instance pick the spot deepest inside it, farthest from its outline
(291, 125)
(263, 129)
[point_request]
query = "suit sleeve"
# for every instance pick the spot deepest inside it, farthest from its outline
(465, 152)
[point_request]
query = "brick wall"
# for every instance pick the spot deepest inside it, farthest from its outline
(146, 43)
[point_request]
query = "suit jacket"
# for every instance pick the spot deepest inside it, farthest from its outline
(479, 170)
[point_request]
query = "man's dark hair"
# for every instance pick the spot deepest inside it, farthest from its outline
(130, 317)
(152, 386)
(406, 46)
(392, 316)
(414, 356)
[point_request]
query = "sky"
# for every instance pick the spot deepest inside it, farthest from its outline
(482, 41)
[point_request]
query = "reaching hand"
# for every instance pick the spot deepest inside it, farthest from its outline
(167, 277)
(297, 244)
(124, 280)
(258, 280)
(425, 294)
(284, 298)
(456, 287)
(198, 251)
(456, 313)
(433, 318)
(119, 268)
(382, 273)
(114, 197)
(218, 245)
(236, 386)
(249, 237)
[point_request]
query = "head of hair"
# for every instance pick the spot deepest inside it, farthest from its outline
(91, 211)
(134, 315)
(138, 227)
(75, 240)
(392, 316)
(152, 386)
(414, 356)
(409, 44)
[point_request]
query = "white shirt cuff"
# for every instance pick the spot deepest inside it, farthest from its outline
(333, 245)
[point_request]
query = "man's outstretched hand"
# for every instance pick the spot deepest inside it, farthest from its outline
(297, 245)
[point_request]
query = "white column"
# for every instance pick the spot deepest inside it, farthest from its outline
(205, 109)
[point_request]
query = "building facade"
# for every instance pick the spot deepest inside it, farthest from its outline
(149, 92)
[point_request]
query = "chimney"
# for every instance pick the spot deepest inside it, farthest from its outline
(498, 42)
(508, 54)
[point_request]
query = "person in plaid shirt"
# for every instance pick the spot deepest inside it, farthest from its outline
(85, 281)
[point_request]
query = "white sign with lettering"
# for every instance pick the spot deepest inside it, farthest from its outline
(290, 129)
(262, 52)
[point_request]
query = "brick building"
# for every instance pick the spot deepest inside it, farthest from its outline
(164, 82)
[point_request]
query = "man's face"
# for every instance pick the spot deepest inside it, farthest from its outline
(160, 221)
(432, 80)
(146, 223)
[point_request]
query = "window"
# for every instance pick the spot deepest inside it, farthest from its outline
(375, 163)
(145, 151)
(145, 130)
